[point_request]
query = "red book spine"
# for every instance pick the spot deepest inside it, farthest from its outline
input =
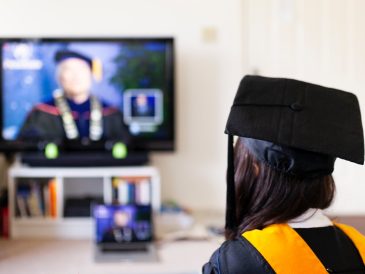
(5, 223)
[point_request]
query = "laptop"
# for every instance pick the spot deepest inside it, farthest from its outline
(124, 233)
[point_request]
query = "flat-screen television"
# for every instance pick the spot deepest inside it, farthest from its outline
(85, 92)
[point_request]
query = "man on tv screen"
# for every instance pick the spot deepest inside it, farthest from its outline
(74, 113)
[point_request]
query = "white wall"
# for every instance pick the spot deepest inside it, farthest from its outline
(322, 41)
(207, 73)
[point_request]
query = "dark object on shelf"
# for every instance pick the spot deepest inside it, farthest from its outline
(3, 198)
(84, 159)
(4, 222)
(81, 206)
(4, 213)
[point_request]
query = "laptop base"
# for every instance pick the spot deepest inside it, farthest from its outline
(120, 253)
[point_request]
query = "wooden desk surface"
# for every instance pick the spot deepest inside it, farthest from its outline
(77, 257)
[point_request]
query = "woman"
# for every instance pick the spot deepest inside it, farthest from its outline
(279, 180)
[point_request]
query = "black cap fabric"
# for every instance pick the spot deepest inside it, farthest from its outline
(295, 127)
(293, 161)
(299, 115)
(231, 197)
(66, 54)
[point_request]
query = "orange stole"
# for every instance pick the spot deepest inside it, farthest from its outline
(356, 237)
(287, 253)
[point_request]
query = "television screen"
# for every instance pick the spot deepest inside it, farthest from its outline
(122, 223)
(88, 91)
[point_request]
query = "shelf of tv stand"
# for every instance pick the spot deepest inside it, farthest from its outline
(70, 227)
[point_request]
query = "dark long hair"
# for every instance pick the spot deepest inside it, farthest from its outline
(265, 196)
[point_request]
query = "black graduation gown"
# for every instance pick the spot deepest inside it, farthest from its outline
(45, 123)
(332, 247)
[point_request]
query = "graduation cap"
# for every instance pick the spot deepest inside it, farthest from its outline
(295, 127)
(94, 64)
(62, 55)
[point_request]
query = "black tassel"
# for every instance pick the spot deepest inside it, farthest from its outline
(231, 223)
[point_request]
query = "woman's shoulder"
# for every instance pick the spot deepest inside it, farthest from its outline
(237, 257)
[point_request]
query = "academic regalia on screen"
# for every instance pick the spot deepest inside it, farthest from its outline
(298, 129)
(45, 123)
(62, 119)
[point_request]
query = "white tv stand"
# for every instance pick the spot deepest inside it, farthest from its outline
(70, 182)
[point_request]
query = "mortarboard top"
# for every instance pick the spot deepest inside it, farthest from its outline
(62, 55)
(299, 115)
(296, 119)
(94, 64)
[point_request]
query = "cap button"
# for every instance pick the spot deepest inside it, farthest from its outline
(296, 107)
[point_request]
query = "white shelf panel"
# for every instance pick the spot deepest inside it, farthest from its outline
(76, 228)
(23, 171)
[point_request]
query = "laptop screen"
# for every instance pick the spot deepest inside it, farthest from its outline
(123, 223)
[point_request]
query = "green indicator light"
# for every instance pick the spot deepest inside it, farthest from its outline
(119, 150)
(51, 151)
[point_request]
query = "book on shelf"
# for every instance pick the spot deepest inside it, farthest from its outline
(53, 198)
(131, 190)
(21, 206)
(36, 198)
(47, 203)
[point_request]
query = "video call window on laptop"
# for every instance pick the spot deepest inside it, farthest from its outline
(123, 224)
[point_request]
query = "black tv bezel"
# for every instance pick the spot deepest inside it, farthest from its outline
(167, 144)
